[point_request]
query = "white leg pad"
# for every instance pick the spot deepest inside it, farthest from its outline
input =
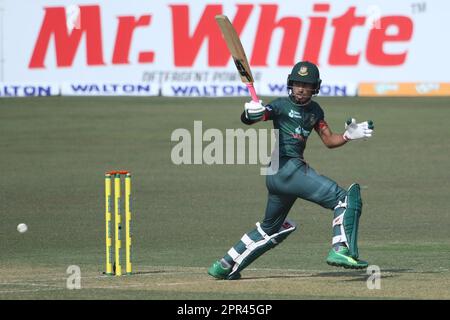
(339, 221)
(233, 253)
(246, 240)
(288, 226)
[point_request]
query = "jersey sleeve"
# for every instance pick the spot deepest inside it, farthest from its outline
(271, 110)
(320, 122)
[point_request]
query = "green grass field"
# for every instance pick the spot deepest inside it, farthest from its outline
(54, 152)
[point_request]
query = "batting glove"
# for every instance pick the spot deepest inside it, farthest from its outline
(254, 111)
(355, 130)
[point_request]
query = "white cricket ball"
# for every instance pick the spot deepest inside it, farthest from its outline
(22, 227)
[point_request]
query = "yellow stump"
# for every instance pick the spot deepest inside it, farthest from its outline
(108, 214)
(118, 224)
(128, 222)
(116, 267)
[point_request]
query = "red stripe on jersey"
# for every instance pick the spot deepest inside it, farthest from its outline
(266, 115)
(320, 125)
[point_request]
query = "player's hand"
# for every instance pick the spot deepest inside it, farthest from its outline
(355, 130)
(254, 111)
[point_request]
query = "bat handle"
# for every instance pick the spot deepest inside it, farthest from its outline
(252, 91)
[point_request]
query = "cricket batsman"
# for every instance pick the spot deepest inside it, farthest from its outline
(295, 117)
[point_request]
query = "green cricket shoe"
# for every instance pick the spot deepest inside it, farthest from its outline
(341, 258)
(217, 271)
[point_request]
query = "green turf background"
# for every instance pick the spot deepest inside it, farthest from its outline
(54, 152)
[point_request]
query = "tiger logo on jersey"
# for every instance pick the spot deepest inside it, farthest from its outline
(301, 133)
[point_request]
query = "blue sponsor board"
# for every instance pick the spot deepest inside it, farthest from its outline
(28, 90)
(204, 90)
(109, 89)
(331, 90)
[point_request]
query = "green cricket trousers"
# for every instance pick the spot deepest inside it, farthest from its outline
(296, 179)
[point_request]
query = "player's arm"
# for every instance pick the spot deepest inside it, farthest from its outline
(330, 139)
(353, 131)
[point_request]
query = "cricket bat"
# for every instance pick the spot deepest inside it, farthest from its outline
(237, 53)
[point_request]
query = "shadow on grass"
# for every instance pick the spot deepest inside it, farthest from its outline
(152, 272)
(354, 275)
(290, 276)
(362, 275)
(139, 273)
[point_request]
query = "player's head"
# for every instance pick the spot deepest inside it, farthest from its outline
(303, 82)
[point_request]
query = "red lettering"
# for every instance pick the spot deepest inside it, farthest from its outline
(378, 37)
(315, 34)
(146, 57)
(266, 27)
(66, 44)
(125, 30)
(189, 38)
(343, 26)
(186, 47)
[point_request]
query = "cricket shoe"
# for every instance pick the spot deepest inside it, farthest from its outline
(219, 272)
(341, 258)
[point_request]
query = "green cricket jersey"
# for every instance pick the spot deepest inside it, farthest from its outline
(295, 123)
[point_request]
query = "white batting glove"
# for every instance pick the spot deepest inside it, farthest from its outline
(355, 130)
(254, 111)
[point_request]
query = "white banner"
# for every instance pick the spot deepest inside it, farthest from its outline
(24, 89)
(168, 42)
(274, 88)
(204, 89)
(98, 88)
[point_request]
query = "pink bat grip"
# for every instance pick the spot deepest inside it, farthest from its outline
(251, 88)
